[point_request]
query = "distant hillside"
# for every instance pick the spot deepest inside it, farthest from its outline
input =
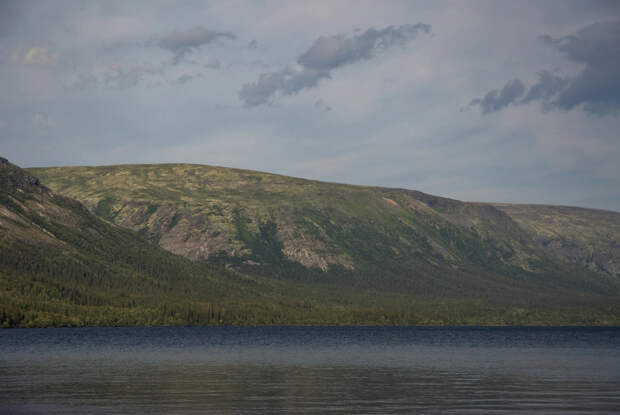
(294, 251)
(367, 247)
(212, 212)
(587, 237)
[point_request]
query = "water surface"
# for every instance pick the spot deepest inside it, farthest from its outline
(310, 370)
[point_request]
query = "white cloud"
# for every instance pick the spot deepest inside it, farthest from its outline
(43, 121)
(36, 55)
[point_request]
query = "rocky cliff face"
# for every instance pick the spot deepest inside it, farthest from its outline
(588, 237)
(22, 197)
(12, 176)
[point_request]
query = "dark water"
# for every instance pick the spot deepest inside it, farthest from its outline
(310, 370)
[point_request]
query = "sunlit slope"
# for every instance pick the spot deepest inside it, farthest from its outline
(295, 228)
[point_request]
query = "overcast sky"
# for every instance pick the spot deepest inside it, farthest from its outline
(499, 101)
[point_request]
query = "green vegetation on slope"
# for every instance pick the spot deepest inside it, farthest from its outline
(332, 253)
(295, 252)
(205, 212)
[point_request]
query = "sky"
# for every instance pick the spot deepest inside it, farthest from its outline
(498, 101)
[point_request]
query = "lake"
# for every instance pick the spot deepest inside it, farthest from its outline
(310, 370)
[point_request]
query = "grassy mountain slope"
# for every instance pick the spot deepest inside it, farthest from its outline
(361, 239)
(202, 211)
(62, 265)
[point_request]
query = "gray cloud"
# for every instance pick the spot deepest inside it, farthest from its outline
(126, 76)
(498, 99)
(596, 88)
(180, 43)
(185, 78)
(123, 75)
(322, 106)
(548, 85)
(325, 55)
(213, 63)
(332, 52)
(287, 81)
(114, 76)
(594, 44)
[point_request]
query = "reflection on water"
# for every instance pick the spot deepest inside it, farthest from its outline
(309, 370)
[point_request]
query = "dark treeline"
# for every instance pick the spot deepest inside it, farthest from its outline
(42, 286)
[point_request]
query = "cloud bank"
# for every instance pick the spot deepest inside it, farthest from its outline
(596, 88)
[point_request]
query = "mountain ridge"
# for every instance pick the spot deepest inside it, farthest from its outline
(216, 166)
(391, 258)
(129, 210)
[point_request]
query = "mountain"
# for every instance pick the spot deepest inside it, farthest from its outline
(426, 257)
(204, 212)
(268, 249)
(60, 265)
